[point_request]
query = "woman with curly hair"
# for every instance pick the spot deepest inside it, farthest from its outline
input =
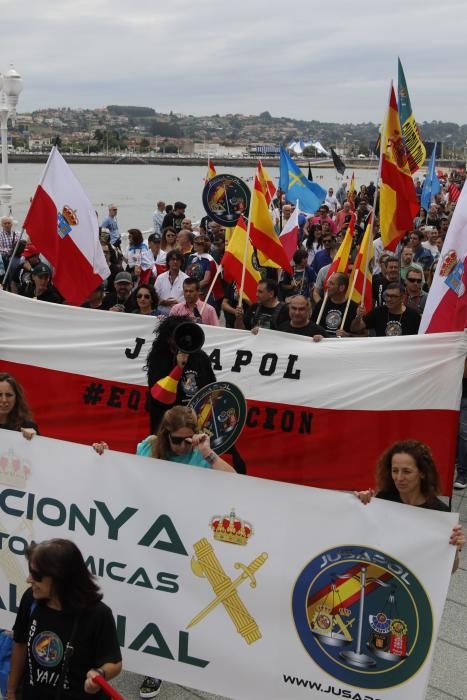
(61, 610)
(15, 413)
(406, 473)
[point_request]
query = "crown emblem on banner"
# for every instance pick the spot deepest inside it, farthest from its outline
(13, 471)
(229, 528)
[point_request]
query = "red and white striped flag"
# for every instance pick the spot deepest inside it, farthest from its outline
(453, 192)
(62, 223)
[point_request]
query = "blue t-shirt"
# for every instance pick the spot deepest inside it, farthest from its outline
(194, 458)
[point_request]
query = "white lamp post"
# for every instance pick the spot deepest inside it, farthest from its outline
(11, 84)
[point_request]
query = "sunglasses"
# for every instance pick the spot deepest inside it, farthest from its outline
(143, 296)
(36, 575)
(177, 440)
(412, 279)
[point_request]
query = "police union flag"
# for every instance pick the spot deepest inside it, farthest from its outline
(62, 223)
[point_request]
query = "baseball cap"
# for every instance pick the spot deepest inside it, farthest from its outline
(123, 277)
(30, 250)
(41, 270)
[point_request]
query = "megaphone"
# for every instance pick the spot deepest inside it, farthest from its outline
(188, 337)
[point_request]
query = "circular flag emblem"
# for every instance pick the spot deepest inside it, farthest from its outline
(225, 197)
(221, 411)
(362, 616)
(47, 649)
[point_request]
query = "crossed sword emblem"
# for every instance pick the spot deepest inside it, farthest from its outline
(207, 565)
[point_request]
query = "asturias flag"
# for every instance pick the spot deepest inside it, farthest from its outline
(398, 199)
(62, 224)
(431, 186)
(446, 305)
(416, 152)
(296, 186)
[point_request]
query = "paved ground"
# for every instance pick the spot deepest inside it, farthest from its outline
(448, 680)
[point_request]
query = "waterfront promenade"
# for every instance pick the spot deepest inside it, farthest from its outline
(448, 680)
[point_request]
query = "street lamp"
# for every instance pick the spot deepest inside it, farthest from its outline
(11, 84)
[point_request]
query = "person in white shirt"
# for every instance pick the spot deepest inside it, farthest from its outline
(158, 217)
(169, 285)
(431, 233)
(331, 201)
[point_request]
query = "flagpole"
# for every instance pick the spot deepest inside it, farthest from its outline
(323, 304)
(245, 253)
(10, 262)
(211, 287)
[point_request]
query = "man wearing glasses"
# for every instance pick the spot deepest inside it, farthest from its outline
(394, 318)
(415, 298)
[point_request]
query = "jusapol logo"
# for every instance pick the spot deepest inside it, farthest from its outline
(362, 616)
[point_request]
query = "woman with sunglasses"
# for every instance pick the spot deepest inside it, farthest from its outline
(64, 635)
(178, 440)
(15, 413)
(146, 300)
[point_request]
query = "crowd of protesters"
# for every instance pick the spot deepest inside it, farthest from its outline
(170, 271)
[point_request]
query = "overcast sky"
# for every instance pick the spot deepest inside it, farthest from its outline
(309, 59)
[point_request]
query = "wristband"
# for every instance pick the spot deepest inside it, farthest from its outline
(211, 457)
(101, 672)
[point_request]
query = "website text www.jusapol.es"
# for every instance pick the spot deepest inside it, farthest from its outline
(325, 688)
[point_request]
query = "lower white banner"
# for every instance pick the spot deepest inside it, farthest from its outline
(232, 584)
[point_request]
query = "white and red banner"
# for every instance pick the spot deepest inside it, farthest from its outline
(298, 593)
(446, 306)
(62, 224)
(318, 413)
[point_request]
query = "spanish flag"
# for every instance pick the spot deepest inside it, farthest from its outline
(211, 171)
(361, 269)
(232, 261)
(398, 200)
(165, 390)
(341, 259)
(266, 183)
(262, 233)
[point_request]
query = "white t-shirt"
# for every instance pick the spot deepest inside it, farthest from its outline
(166, 290)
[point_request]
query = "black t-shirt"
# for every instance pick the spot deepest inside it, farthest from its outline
(51, 294)
(385, 323)
(331, 320)
(266, 317)
(25, 424)
(310, 329)
(231, 295)
(46, 632)
(434, 504)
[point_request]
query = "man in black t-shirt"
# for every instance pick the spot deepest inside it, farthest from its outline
(392, 319)
(389, 273)
(300, 324)
(40, 287)
(335, 306)
(268, 312)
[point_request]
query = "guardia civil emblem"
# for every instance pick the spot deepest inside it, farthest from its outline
(363, 617)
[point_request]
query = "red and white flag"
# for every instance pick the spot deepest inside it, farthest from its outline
(62, 223)
(453, 192)
(446, 306)
(289, 235)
